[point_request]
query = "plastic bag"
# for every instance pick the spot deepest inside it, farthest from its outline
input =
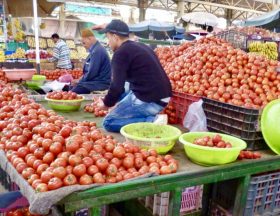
(195, 118)
(66, 78)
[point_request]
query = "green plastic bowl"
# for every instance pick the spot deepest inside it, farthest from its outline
(65, 105)
(146, 135)
(39, 77)
(210, 156)
(270, 125)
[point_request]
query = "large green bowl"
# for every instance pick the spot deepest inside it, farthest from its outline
(210, 156)
(147, 135)
(65, 105)
(270, 125)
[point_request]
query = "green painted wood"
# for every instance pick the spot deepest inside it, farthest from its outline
(95, 211)
(136, 208)
(206, 196)
(175, 201)
(241, 195)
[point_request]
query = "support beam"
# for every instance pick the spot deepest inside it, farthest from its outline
(229, 16)
(142, 5)
(180, 8)
(224, 6)
(62, 19)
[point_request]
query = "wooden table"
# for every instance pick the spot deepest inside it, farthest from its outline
(189, 174)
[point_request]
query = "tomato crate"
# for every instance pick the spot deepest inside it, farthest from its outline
(178, 107)
(190, 201)
(233, 120)
(263, 196)
(236, 38)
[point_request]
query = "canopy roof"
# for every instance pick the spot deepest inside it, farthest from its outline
(268, 20)
(24, 8)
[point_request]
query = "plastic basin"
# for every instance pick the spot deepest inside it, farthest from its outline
(19, 74)
(146, 135)
(36, 82)
(270, 125)
(65, 105)
(210, 156)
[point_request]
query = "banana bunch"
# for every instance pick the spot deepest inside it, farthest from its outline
(268, 49)
(42, 42)
(70, 44)
(10, 29)
(82, 52)
(19, 35)
(50, 43)
(20, 53)
(2, 56)
(74, 54)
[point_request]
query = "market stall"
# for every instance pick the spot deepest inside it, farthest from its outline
(216, 87)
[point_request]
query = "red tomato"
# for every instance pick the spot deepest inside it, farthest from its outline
(70, 179)
(42, 187)
(98, 178)
(119, 152)
(79, 170)
(55, 183)
(59, 172)
(85, 179)
(46, 176)
(102, 164)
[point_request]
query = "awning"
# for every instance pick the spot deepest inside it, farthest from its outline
(269, 20)
(24, 8)
(152, 25)
(201, 18)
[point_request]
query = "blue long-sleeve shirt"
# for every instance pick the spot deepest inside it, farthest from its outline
(97, 69)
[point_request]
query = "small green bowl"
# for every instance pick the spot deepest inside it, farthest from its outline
(65, 105)
(210, 156)
(147, 135)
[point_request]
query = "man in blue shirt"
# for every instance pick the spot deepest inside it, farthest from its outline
(97, 68)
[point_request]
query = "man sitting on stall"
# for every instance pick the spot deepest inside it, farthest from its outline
(61, 53)
(150, 88)
(97, 68)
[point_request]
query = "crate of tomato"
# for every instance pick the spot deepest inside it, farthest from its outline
(178, 106)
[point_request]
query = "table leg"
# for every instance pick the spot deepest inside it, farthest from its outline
(175, 202)
(95, 211)
(206, 197)
(241, 195)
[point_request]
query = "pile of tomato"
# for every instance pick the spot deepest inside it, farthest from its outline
(51, 152)
(55, 74)
(62, 95)
(215, 141)
(93, 108)
(3, 76)
(20, 212)
(171, 113)
(249, 155)
(212, 68)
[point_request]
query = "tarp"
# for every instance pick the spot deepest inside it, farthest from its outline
(24, 8)
(268, 20)
(153, 25)
(201, 18)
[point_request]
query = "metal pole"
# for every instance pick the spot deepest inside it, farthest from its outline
(36, 30)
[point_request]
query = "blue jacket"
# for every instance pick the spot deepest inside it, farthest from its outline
(97, 69)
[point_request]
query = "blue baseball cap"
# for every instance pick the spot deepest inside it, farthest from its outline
(117, 27)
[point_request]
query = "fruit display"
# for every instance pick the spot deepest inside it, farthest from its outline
(19, 33)
(216, 141)
(42, 42)
(50, 43)
(74, 54)
(70, 44)
(51, 152)
(2, 56)
(20, 53)
(55, 74)
(82, 52)
(249, 155)
(267, 49)
(264, 33)
(31, 54)
(62, 95)
(20, 212)
(93, 108)
(212, 68)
